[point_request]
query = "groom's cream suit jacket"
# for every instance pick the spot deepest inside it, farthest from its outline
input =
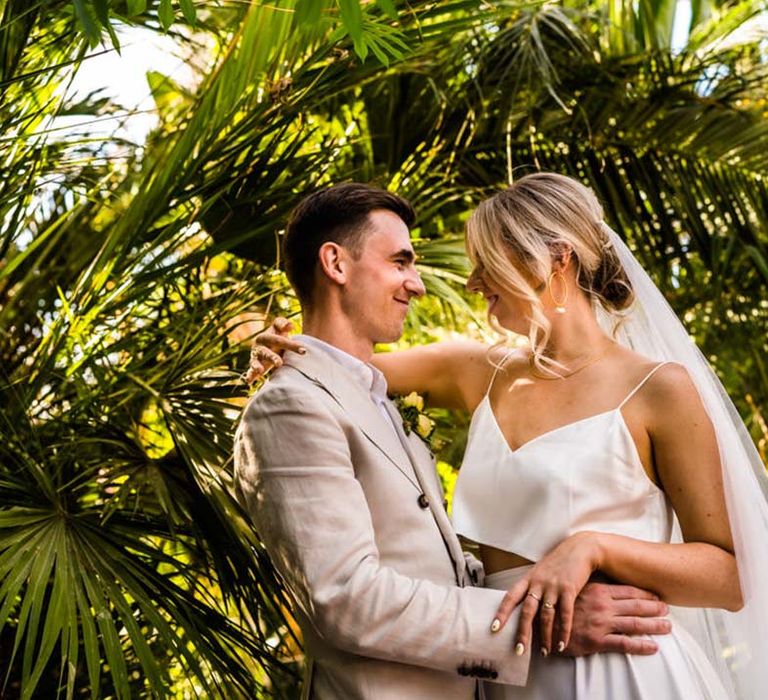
(383, 592)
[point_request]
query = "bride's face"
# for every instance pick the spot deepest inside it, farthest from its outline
(512, 311)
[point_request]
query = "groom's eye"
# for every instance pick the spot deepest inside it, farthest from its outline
(403, 258)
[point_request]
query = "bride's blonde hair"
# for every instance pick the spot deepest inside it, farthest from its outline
(515, 236)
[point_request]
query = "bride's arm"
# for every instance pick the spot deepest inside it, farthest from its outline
(700, 572)
(451, 374)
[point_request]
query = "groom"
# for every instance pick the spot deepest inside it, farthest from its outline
(350, 508)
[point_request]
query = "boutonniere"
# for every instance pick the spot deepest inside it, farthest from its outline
(411, 409)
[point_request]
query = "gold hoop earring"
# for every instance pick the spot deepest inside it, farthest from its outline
(559, 303)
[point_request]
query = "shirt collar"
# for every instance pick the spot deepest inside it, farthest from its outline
(370, 378)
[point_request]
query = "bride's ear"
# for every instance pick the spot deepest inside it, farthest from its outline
(334, 261)
(562, 258)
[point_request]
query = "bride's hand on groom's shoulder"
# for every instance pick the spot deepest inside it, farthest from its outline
(576, 617)
(268, 348)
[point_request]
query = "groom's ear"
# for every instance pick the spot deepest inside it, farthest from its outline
(334, 261)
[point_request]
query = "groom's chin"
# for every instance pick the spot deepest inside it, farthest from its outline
(392, 335)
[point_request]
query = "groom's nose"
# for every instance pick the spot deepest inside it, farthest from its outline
(414, 285)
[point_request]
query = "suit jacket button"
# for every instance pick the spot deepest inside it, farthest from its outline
(423, 501)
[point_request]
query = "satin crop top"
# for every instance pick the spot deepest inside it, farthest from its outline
(585, 475)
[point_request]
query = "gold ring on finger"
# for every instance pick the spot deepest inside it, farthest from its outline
(534, 596)
(548, 605)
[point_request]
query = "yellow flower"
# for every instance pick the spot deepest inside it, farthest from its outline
(424, 426)
(413, 399)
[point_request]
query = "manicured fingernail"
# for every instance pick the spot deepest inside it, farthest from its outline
(302, 351)
(560, 647)
(519, 649)
(496, 625)
(544, 651)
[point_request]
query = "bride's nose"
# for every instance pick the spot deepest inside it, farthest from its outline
(475, 282)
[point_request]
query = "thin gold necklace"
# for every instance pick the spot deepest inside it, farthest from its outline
(592, 361)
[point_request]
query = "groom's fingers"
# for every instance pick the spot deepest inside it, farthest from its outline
(628, 645)
(640, 608)
(619, 592)
(641, 625)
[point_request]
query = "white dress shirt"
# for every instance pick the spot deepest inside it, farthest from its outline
(370, 378)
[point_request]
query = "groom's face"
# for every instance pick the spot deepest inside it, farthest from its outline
(382, 279)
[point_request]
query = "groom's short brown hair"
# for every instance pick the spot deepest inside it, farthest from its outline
(339, 214)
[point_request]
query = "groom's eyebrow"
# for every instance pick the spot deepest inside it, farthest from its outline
(404, 254)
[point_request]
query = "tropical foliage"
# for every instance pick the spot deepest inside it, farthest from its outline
(131, 273)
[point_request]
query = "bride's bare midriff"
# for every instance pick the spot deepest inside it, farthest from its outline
(498, 560)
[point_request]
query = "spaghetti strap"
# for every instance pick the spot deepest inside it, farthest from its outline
(496, 370)
(642, 381)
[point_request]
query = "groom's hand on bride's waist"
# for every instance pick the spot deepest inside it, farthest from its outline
(615, 618)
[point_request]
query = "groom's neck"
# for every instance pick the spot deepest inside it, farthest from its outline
(339, 331)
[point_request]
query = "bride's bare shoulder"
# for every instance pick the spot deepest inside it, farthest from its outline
(662, 382)
(636, 363)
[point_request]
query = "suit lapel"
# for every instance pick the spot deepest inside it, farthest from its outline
(410, 456)
(345, 389)
(426, 473)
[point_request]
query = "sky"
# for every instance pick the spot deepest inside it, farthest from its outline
(683, 13)
(123, 77)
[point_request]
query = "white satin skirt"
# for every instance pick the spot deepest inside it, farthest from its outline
(678, 671)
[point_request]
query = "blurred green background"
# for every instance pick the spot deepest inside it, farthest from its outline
(138, 256)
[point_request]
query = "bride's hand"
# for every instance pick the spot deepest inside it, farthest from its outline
(550, 588)
(268, 348)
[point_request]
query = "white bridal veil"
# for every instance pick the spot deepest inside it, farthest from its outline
(737, 643)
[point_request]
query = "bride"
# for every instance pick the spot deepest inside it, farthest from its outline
(607, 448)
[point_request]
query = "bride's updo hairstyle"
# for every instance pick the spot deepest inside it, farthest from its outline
(515, 237)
